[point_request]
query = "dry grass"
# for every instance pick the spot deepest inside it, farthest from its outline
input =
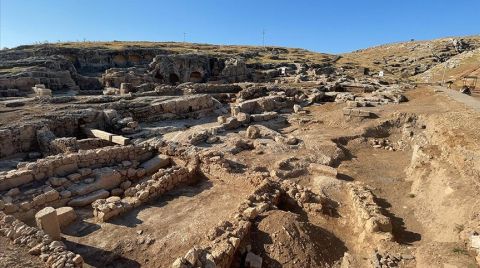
(255, 54)
(466, 64)
(417, 51)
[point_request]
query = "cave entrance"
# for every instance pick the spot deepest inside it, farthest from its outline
(173, 79)
(196, 77)
(159, 76)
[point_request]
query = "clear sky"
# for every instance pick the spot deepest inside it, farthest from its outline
(332, 26)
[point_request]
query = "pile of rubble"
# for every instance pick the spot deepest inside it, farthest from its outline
(38, 243)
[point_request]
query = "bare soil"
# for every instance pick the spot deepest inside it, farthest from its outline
(155, 235)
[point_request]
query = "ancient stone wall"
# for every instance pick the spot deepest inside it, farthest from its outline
(149, 189)
(225, 239)
(92, 143)
(174, 108)
(368, 213)
(22, 137)
(53, 253)
(206, 88)
(263, 104)
(75, 179)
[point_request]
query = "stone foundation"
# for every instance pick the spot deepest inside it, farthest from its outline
(226, 238)
(64, 164)
(369, 217)
(150, 189)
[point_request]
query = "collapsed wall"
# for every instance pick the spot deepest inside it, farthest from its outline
(38, 243)
(369, 218)
(228, 238)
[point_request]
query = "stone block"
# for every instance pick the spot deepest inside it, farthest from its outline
(98, 134)
(155, 163)
(66, 215)
(105, 178)
(66, 169)
(120, 140)
(16, 179)
(47, 221)
(84, 200)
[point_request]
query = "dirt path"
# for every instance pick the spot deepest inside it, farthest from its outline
(469, 101)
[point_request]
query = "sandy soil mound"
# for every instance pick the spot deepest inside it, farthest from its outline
(284, 240)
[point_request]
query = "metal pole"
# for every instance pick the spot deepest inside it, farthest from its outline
(263, 38)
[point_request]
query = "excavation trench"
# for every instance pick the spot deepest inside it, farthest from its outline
(155, 233)
(379, 158)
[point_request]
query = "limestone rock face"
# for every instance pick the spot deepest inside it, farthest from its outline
(235, 70)
(173, 69)
(54, 80)
(114, 77)
(61, 68)
(181, 68)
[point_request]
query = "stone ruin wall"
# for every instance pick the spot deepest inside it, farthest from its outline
(176, 108)
(23, 137)
(228, 237)
(369, 217)
(60, 175)
(149, 189)
(53, 253)
(92, 143)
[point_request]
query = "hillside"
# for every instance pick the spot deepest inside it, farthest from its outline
(454, 70)
(80, 65)
(407, 59)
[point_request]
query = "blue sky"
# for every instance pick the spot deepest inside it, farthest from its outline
(325, 26)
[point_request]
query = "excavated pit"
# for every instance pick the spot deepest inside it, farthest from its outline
(157, 231)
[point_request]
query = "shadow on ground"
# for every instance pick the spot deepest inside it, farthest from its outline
(97, 257)
(399, 230)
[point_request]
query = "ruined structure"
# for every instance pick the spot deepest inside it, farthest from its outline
(187, 155)
(197, 68)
